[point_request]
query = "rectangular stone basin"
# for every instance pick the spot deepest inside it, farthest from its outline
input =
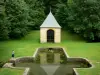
(54, 61)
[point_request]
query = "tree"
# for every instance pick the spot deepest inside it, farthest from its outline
(62, 15)
(17, 15)
(4, 28)
(36, 13)
(82, 17)
(86, 19)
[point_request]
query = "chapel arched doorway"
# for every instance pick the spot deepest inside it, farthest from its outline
(50, 35)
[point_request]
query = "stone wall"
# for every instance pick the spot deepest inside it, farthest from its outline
(21, 60)
(57, 35)
(79, 60)
(43, 35)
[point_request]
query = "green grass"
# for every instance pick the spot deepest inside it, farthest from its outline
(7, 71)
(74, 45)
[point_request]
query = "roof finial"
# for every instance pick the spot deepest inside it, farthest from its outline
(50, 8)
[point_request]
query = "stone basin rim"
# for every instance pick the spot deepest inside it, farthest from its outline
(74, 69)
(36, 52)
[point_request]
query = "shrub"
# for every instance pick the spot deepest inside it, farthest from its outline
(1, 64)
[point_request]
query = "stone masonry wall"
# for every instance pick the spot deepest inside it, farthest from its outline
(43, 35)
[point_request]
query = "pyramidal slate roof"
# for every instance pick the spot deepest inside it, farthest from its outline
(50, 21)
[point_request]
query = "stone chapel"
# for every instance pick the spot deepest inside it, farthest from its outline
(50, 30)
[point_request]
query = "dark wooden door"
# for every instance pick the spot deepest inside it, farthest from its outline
(50, 35)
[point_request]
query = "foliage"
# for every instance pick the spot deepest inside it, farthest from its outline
(4, 24)
(36, 13)
(81, 17)
(61, 15)
(17, 17)
(1, 64)
(51, 5)
(4, 30)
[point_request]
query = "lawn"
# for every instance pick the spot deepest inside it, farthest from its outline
(7, 71)
(74, 45)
